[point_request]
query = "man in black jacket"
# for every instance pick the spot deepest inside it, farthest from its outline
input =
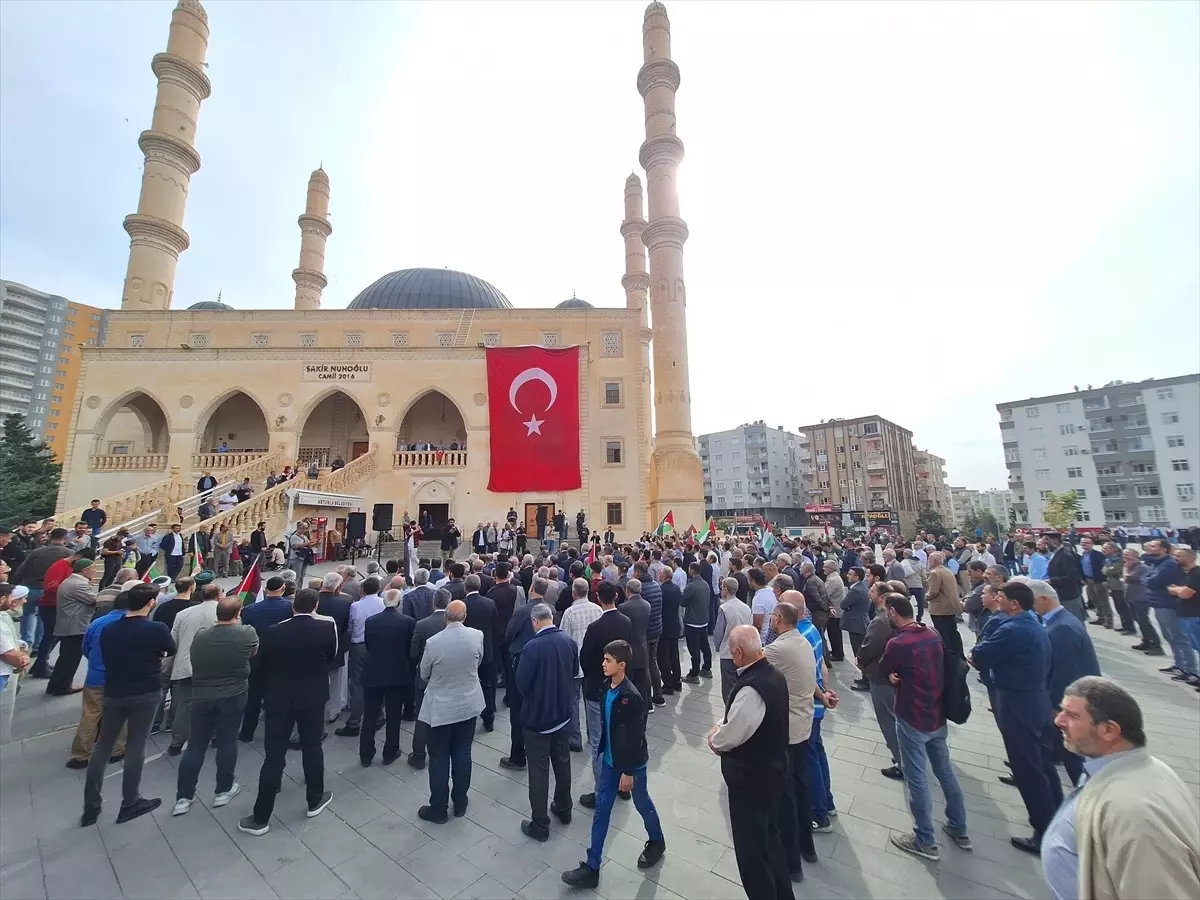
(622, 768)
(295, 657)
(387, 676)
(418, 603)
(424, 630)
(668, 641)
(637, 609)
(335, 605)
(455, 585)
(481, 615)
(697, 598)
(503, 593)
(612, 625)
(1066, 575)
(520, 630)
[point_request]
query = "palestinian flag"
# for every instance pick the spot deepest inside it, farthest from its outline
(667, 525)
(710, 527)
(153, 572)
(691, 532)
(591, 557)
(768, 542)
(197, 559)
(250, 590)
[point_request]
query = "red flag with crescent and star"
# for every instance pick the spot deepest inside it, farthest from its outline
(533, 411)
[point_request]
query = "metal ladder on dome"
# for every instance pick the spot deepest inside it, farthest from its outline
(464, 328)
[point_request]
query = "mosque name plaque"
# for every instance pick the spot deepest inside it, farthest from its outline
(337, 371)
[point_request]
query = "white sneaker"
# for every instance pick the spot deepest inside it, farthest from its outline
(223, 798)
(182, 805)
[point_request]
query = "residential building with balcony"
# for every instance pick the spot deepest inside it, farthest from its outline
(864, 464)
(1131, 451)
(967, 502)
(754, 469)
(933, 491)
(40, 338)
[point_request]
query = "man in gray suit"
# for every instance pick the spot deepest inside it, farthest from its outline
(453, 698)
(637, 610)
(426, 628)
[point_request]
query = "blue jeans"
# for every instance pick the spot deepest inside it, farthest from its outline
(573, 731)
(606, 794)
(449, 749)
(819, 786)
(31, 622)
(915, 748)
(595, 721)
(1191, 629)
(1174, 634)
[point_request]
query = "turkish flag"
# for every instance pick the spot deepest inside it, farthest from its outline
(533, 411)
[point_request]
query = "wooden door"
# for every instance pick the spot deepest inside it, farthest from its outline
(359, 448)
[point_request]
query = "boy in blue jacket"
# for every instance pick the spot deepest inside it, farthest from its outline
(623, 767)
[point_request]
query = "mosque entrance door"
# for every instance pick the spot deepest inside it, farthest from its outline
(531, 510)
(359, 448)
(439, 513)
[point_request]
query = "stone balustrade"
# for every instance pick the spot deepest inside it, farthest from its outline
(349, 475)
(215, 462)
(267, 507)
(422, 459)
(124, 462)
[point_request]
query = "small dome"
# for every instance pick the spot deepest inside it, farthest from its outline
(210, 305)
(430, 289)
(574, 303)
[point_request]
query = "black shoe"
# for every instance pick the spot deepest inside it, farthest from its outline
(660, 700)
(77, 763)
(1169, 669)
(156, 728)
(860, 685)
(314, 811)
(489, 726)
(417, 762)
(893, 772)
(584, 876)
(1155, 651)
(651, 854)
(796, 875)
(246, 739)
(1141, 646)
(140, 808)
(507, 762)
(691, 679)
(1128, 631)
(1096, 622)
(429, 814)
(1028, 844)
(1181, 676)
(460, 811)
(810, 858)
(174, 750)
(706, 673)
(365, 763)
(563, 815)
(667, 692)
(537, 832)
(624, 795)
(587, 801)
(248, 825)
(1008, 764)
(347, 731)
(1009, 780)
(89, 817)
(389, 758)
(409, 716)
(576, 748)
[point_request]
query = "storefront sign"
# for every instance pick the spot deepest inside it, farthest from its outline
(879, 517)
(824, 508)
(337, 372)
(316, 498)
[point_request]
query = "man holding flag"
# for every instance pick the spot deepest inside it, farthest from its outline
(666, 526)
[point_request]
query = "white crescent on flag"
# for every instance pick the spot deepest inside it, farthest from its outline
(537, 374)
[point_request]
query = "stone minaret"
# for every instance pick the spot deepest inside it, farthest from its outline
(676, 479)
(314, 229)
(636, 283)
(156, 229)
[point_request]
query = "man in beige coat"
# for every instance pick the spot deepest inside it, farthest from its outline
(1132, 831)
(941, 599)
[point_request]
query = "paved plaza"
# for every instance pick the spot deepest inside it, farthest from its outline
(369, 843)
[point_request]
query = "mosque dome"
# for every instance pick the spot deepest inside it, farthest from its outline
(430, 289)
(574, 303)
(210, 305)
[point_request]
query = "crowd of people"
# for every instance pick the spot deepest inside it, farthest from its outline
(584, 644)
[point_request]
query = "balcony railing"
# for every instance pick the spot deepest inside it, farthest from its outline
(124, 462)
(210, 462)
(423, 459)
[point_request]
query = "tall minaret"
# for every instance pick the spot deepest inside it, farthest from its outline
(677, 482)
(636, 283)
(314, 230)
(156, 229)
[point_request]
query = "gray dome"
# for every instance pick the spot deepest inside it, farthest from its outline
(430, 289)
(210, 305)
(574, 303)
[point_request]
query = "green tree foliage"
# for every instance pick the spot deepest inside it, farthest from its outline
(1062, 509)
(29, 475)
(930, 520)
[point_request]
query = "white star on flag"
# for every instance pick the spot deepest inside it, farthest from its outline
(534, 425)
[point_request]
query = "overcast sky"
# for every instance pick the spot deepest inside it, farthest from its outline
(910, 209)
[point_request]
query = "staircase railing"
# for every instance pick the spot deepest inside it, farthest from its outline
(348, 476)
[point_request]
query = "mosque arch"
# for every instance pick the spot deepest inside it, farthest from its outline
(235, 417)
(333, 424)
(431, 417)
(134, 424)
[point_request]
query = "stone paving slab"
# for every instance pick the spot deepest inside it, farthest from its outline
(369, 843)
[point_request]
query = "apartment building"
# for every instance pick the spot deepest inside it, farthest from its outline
(1131, 450)
(968, 502)
(753, 469)
(40, 335)
(933, 491)
(864, 464)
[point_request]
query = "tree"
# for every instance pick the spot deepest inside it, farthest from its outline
(1061, 510)
(929, 520)
(29, 475)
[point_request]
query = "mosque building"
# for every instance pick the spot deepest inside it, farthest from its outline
(396, 383)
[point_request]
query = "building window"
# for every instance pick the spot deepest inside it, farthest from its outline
(1112, 491)
(60, 373)
(1062, 408)
(612, 393)
(1185, 492)
(720, 485)
(399, 338)
(1042, 474)
(1180, 465)
(1116, 515)
(353, 339)
(1139, 469)
(1170, 418)
(1071, 451)
(198, 340)
(718, 457)
(136, 341)
(1045, 495)
(1081, 493)
(613, 455)
(1035, 431)
(1136, 443)
(737, 486)
(1146, 490)
(1039, 452)
(1174, 440)
(1066, 429)
(1032, 412)
(57, 398)
(1006, 415)
(308, 340)
(1012, 455)
(1165, 394)
(1083, 516)
(491, 339)
(614, 513)
(736, 454)
(52, 426)
(870, 428)
(550, 339)
(611, 343)
(259, 341)
(1152, 513)
(444, 338)
(60, 385)
(1189, 514)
